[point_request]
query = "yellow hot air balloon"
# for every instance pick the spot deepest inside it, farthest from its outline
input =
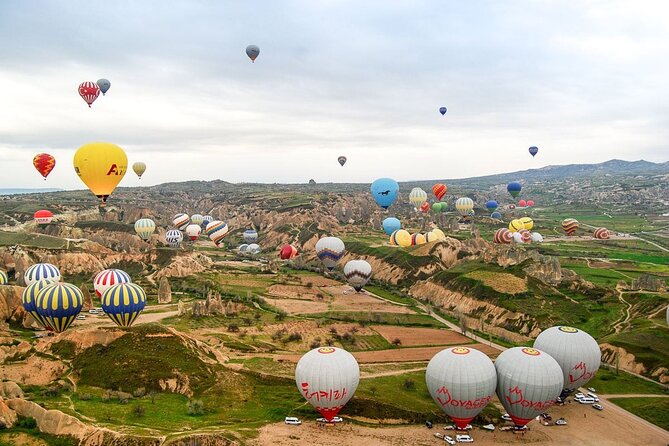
(439, 233)
(527, 222)
(516, 225)
(403, 238)
(139, 168)
(101, 166)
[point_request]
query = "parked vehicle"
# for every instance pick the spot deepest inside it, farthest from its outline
(490, 427)
(439, 435)
(561, 422)
(93, 311)
(293, 420)
(586, 400)
(464, 439)
(598, 406)
(594, 397)
(334, 420)
(428, 424)
(506, 417)
(578, 396)
(81, 317)
(591, 389)
(449, 439)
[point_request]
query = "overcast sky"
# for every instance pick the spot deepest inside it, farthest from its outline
(584, 81)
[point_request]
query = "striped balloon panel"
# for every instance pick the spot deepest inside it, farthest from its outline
(144, 227)
(4, 279)
(516, 225)
(570, 226)
(181, 221)
(58, 304)
(503, 235)
(602, 233)
(525, 235)
(108, 278)
(41, 271)
(217, 230)
(29, 299)
(173, 237)
(123, 303)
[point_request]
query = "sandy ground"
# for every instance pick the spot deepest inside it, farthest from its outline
(605, 428)
(104, 321)
(34, 371)
(420, 336)
(293, 291)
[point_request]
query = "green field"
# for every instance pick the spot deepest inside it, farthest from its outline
(655, 410)
(608, 382)
(8, 238)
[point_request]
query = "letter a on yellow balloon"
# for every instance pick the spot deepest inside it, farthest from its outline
(101, 166)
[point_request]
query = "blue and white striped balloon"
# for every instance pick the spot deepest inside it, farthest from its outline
(41, 271)
(174, 237)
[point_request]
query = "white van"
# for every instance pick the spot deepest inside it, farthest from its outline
(594, 397)
(293, 420)
(586, 400)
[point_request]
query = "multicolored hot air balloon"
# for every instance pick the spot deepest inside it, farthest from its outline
(144, 227)
(107, 278)
(252, 51)
(462, 381)
(58, 304)
(503, 236)
(570, 225)
(342, 160)
(288, 252)
(576, 352)
(193, 231)
(327, 378)
(103, 85)
(491, 205)
(442, 110)
(43, 217)
(357, 273)
(250, 236)
(417, 239)
(44, 163)
(514, 188)
(217, 230)
(174, 237)
(41, 271)
(384, 191)
(139, 168)
(601, 234)
(180, 221)
(89, 92)
(123, 302)
(528, 382)
(464, 206)
(330, 250)
(533, 150)
(417, 197)
(439, 190)
(101, 166)
(391, 224)
(29, 299)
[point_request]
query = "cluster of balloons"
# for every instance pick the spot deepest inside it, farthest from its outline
(525, 204)
(89, 91)
(250, 249)
(505, 236)
(402, 237)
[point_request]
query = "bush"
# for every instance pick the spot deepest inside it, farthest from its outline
(281, 315)
(233, 328)
(314, 345)
(138, 411)
(26, 422)
(397, 341)
(294, 337)
(139, 392)
(195, 407)
(85, 397)
(409, 384)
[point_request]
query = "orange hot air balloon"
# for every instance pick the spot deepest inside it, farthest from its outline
(44, 163)
(425, 207)
(439, 190)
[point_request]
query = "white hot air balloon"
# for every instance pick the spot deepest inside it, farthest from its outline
(464, 206)
(253, 249)
(576, 352)
(517, 237)
(528, 382)
(462, 382)
(193, 231)
(174, 237)
(144, 227)
(250, 236)
(327, 378)
(41, 271)
(197, 219)
(357, 273)
(243, 247)
(417, 197)
(180, 221)
(537, 238)
(107, 278)
(330, 250)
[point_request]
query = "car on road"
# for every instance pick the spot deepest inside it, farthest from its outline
(93, 311)
(586, 400)
(439, 435)
(448, 439)
(593, 396)
(334, 420)
(293, 420)
(506, 417)
(578, 396)
(591, 389)
(464, 439)
(598, 406)
(81, 317)
(561, 422)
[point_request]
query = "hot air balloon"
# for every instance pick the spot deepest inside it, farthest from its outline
(288, 252)
(327, 378)
(425, 207)
(601, 234)
(43, 217)
(253, 249)
(342, 160)
(514, 188)
(442, 110)
(206, 220)
(570, 225)
(243, 247)
(511, 207)
(101, 166)
(533, 151)
(193, 231)
(180, 221)
(217, 230)
(107, 278)
(527, 222)
(391, 224)
(4, 278)
(252, 51)
(401, 237)
(496, 215)
(417, 197)
(436, 207)
(530, 203)
(250, 236)
(439, 190)
(429, 237)
(528, 382)
(417, 239)
(29, 298)
(464, 205)
(144, 227)
(522, 203)
(197, 219)
(462, 381)
(516, 225)
(525, 235)
(103, 85)
(576, 352)
(436, 232)
(444, 206)
(44, 163)
(503, 235)
(357, 273)
(58, 304)
(330, 250)
(174, 237)
(123, 302)
(139, 168)
(384, 191)
(537, 238)
(518, 237)
(89, 92)
(41, 271)
(491, 205)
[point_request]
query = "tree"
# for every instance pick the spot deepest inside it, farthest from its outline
(195, 407)
(397, 341)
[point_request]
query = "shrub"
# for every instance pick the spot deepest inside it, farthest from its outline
(397, 341)
(26, 422)
(409, 384)
(138, 411)
(233, 328)
(195, 407)
(294, 337)
(139, 392)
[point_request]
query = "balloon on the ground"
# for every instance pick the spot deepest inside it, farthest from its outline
(250, 236)
(401, 237)
(101, 166)
(252, 51)
(41, 271)
(288, 252)
(180, 221)
(29, 299)
(417, 239)
(43, 217)
(576, 352)
(243, 247)
(390, 225)
(570, 225)
(522, 203)
(103, 85)
(107, 278)
(253, 248)
(357, 273)
(217, 230)
(144, 227)
(491, 205)
(527, 222)
(462, 381)
(439, 190)
(327, 378)
(44, 163)
(496, 215)
(58, 304)
(193, 231)
(139, 168)
(342, 160)
(417, 197)
(89, 92)
(438, 233)
(443, 110)
(601, 233)
(330, 250)
(197, 219)
(533, 150)
(464, 206)
(503, 236)
(514, 188)
(384, 191)
(516, 225)
(4, 278)
(525, 235)
(123, 302)
(537, 238)
(530, 203)
(528, 382)
(174, 237)
(518, 237)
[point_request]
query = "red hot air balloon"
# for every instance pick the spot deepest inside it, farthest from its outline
(43, 217)
(439, 190)
(425, 207)
(522, 203)
(44, 163)
(288, 252)
(89, 92)
(530, 203)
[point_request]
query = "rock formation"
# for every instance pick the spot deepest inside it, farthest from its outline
(164, 291)
(648, 282)
(88, 300)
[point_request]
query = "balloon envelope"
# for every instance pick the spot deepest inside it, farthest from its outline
(252, 51)
(44, 163)
(193, 231)
(342, 160)
(107, 278)
(174, 237)
(439, 190)
(288, 252)
(496, 215)
(391, 224)
(250, 236)
(417, 197)
(514, 188)
(89, 92)
(491, 205)
(330, 250)
(123, 302)
(357, 273)
(43, 217)
(103, 85)
(570, 225)
(464, 206)
(442, 110)
(58, 304)
(41, 271)
(384, 191)
(139, 168)
(144, 227)
(533, 150)
(217, 230)
(101, 166)
(181, 221)
(29, 298)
